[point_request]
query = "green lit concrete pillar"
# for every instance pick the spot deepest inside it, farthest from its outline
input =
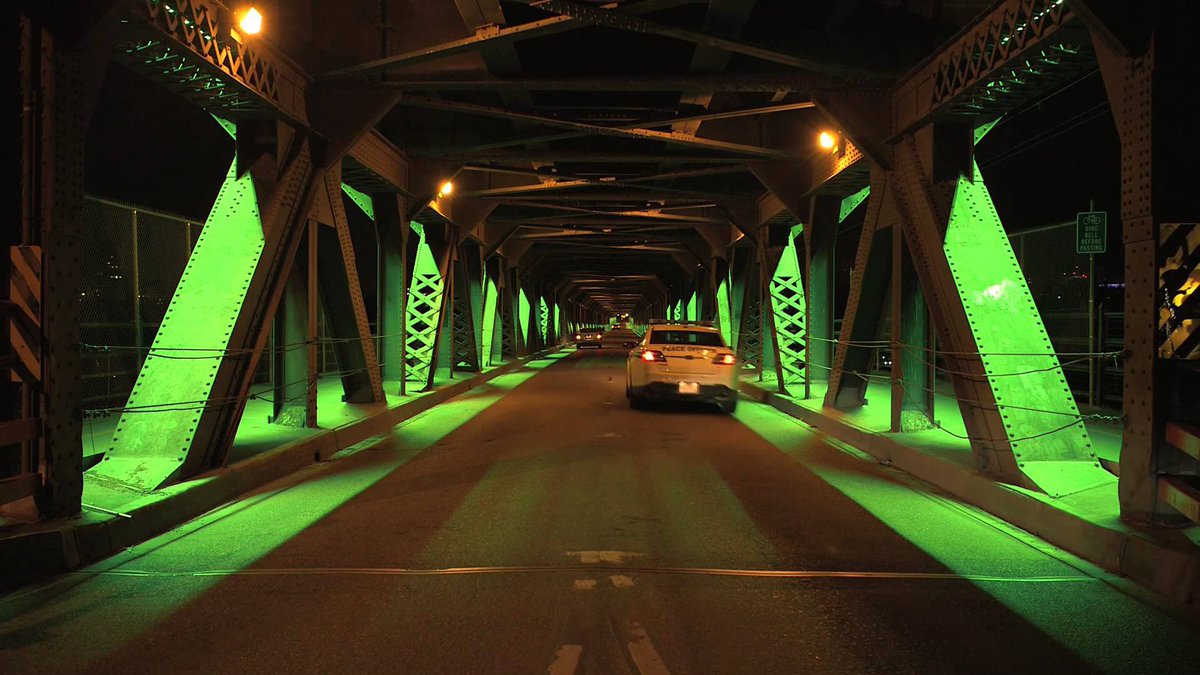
(182, 413)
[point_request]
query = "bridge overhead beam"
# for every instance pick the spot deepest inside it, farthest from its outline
(666, 137)
(488, 35)
(1010, 55)
(620, 20)
(768, 83)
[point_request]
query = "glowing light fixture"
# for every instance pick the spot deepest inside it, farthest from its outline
(251, 21)
(827, 140)
(445, 189)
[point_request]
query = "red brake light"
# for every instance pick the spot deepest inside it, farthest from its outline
(652, 356)
(724, 359)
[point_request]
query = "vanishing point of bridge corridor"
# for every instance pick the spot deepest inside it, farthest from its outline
(538, 524)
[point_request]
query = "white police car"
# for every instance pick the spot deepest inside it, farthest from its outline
(682, 361)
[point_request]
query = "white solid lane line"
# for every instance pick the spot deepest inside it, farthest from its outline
(566, 660)
(645, 656)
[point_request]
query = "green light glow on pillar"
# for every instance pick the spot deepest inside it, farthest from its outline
(149, 447)
(723, 316)
(523, 317)
(1052, 448)
(424, 309)
(363, 200)
(787, 300)
(544, 321)
(692, 313)
(851, 202)
(491, 306)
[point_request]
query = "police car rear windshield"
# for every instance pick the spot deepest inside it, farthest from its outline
(685, 337)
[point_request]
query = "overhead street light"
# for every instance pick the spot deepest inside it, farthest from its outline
(828, 141)
(445, 188)
(251, 21)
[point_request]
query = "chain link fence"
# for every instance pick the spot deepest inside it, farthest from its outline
(1079, 297)
(132, 261)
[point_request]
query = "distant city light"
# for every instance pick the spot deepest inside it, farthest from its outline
(251, 21)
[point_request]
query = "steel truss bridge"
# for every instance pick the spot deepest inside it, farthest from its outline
(670, 176)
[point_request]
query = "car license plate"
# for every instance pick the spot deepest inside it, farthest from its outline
(689, 387)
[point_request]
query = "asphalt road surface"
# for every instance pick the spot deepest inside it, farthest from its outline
(538, 525)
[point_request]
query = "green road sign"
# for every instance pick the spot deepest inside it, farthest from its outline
(1091, 232)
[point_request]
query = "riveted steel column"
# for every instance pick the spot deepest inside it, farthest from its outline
(820, 241)
(1148, 66)
(394, 233)
(45, 333)
(289, 353)
(182, 414)
(851, 367)
(341, 294)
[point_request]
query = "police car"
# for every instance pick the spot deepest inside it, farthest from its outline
(682, 361)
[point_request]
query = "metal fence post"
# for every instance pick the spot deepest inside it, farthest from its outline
(137, 287)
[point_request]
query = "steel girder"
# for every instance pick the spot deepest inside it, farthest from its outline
(667, 137)
(767, 83)
(1020, 417)
(820, 240)
(849, 371)
(394, 232)
(913, 356)
(188, 46)
(466, 323)
(342, 298)
(183, 412)
(43, 398)
(1016, 51)
(749, 319)
(294, 381)
(423, 314)
(789, 311)
(625, 21)
(488, 36)
(1147, 61)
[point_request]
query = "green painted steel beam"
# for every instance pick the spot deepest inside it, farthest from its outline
(362, 199)
(788, 304)
(174, 388)
(425, 295)
(1048, 439)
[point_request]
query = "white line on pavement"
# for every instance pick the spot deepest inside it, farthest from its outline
(566, 660)
(645, 656)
